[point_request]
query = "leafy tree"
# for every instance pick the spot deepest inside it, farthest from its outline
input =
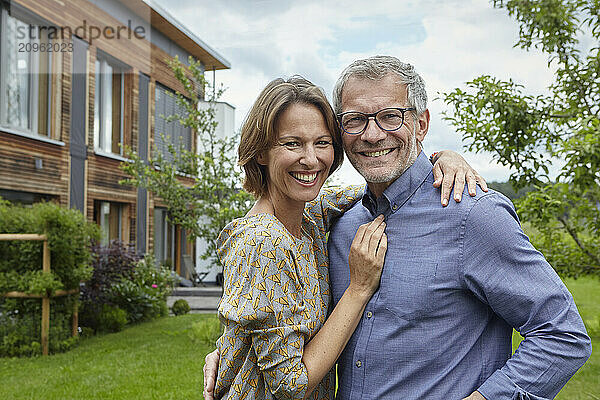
(202, 190)
(526, 132)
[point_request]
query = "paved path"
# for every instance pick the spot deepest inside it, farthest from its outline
(204, 299)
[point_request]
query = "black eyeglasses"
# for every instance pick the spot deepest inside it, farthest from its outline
(388, 119)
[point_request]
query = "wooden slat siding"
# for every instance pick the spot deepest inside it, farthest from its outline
(72, 13)
(161, 71)
(66, 98)
(131, 233)
(91, 97)
(17, 166)
(103, 177)
(65, 125)
(91, 83)
(17, 171)
(57, 93)
(89, 207)
(127, 107)
(134, 111)
(132, 115)
(139, 54)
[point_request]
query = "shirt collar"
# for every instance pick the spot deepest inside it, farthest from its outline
(400, 190)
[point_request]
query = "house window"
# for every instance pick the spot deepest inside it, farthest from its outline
(25, 76)
(25, 198)
(109, 104)
(173, 132)
(109, 216)
(164, 237)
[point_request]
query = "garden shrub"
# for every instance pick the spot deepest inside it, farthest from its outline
(139, 304)
(20, 328)
(180, 307)
(111, 264)
(69, 237)
(121, 279)
(144, 297)
(150, 273)
(112, 319)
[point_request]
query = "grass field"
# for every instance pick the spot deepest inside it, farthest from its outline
(163, 360)
(155, 360)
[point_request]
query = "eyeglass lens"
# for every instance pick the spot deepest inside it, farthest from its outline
(388, 119)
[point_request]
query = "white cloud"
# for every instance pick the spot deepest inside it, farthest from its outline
(449, 42)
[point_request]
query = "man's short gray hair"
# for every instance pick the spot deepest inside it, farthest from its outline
(376, 68)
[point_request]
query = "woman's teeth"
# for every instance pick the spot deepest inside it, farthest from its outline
(302, 177)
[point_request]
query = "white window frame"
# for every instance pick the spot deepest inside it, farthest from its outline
(102, 135)
(33, 84)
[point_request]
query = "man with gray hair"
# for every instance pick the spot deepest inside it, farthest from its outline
(455, 282)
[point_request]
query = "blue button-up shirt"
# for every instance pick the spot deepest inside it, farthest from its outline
(456, 280)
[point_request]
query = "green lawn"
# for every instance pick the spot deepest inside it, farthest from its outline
(161, 360)
(155, 360)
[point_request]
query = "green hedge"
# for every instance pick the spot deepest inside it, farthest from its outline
(125, 283)
(180, 307)
(69, 237)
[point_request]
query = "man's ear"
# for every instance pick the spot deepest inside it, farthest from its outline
(422, 125)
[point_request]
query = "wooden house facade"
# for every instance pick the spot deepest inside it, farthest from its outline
(79, 81)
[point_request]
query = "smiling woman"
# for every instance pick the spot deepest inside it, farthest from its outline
(300, 161)
(261, 130)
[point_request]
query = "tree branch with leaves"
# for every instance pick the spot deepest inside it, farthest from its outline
(202, 190)
(527, 132)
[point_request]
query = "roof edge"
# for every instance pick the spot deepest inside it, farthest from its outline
(225, 64)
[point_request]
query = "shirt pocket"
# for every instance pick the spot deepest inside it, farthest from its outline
(407, 288)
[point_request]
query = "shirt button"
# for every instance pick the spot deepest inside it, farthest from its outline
(395, 207)
(369, 314)
(358, 364)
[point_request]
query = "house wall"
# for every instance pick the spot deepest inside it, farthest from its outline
(149, 56)
(18, 152)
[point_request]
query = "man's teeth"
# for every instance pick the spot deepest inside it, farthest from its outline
(305, 177)
(376, 153)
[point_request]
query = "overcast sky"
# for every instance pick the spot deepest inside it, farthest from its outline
(448, 41)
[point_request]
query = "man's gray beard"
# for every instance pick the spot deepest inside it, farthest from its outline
(395, 174)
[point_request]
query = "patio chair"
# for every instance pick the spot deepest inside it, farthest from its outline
(189, 271)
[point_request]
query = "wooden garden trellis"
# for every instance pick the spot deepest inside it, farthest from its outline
(45, 297)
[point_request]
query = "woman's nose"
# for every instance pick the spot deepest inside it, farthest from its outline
(309, 156)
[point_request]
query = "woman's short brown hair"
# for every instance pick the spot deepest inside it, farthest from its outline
(259, 133)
